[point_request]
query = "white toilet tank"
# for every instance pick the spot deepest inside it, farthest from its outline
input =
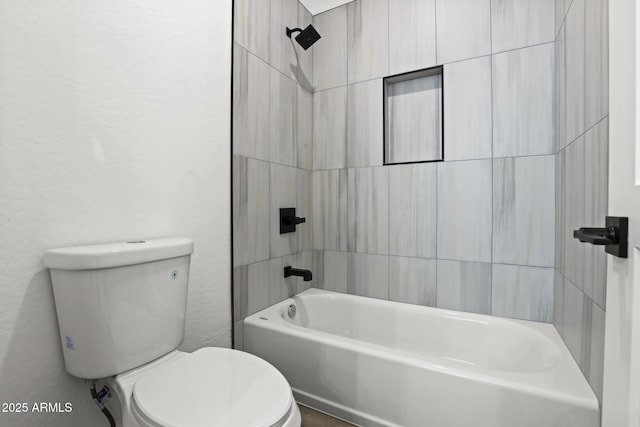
(119, 305)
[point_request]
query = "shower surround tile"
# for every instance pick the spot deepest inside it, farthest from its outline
(585, 350)
(330, 53)
(592, 351)
(368, 210)
(523, 210)
(560, 91)
(330, 270)
(368, 275)
(412, 280)
(330, 210)
(320, 110)
(558, 302)
(574, 211)
(581, 191)
(250, 210)
(250, 105)
(463, 29)
(522, 292)
(330, 128)
(283, 56)
(412, 210)
(412, 35)
(305, 129)
(464, 210)
(250, 289)
(559, 210)
(464, 286)
(317, 267)
(252, 26)
(283, 195)
(522, 87)
(596, 172)
(304, 57)
(596, 349)
(521, 23)
(304, 209)
(572, 321)
(596, 59)
(364, 128)
(283, 135)
(367, 40)
(467, 109)
(574, 66)
(560, 12)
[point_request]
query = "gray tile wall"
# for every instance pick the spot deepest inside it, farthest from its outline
(520, 127)
(469, 117)
(413, 213)
(273, 154)
(414, 47)
(581, 164)
(367, 40)
(475, 232)
(463, 29)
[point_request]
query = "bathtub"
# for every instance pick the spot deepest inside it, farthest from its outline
(380, 363)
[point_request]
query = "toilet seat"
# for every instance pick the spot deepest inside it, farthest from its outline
(213, 387)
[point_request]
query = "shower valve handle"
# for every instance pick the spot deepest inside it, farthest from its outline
(294, 220)
(289, 220)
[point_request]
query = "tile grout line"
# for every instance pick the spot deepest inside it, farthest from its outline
(575, 141)
(546, 267)
(444, 63)
(435, 26)
(421, 163)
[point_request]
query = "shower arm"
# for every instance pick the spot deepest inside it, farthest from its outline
(293, 30)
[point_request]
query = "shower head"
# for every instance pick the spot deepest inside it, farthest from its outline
(306, 38)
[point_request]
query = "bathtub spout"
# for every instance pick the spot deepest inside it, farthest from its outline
(290, 271)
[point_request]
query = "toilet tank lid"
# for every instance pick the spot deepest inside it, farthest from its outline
(117, 254)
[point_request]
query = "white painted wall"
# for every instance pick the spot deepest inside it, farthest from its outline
(114, 124)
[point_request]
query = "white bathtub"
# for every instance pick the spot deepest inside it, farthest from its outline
(381, 363)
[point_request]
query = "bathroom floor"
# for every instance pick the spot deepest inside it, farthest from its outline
(311, 418)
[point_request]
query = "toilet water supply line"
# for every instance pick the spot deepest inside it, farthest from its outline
(99, 397)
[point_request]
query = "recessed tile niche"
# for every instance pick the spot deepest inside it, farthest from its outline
(414, 117)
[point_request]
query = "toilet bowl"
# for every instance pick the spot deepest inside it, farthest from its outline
(209, 387)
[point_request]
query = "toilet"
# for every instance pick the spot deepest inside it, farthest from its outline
(121, 312)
